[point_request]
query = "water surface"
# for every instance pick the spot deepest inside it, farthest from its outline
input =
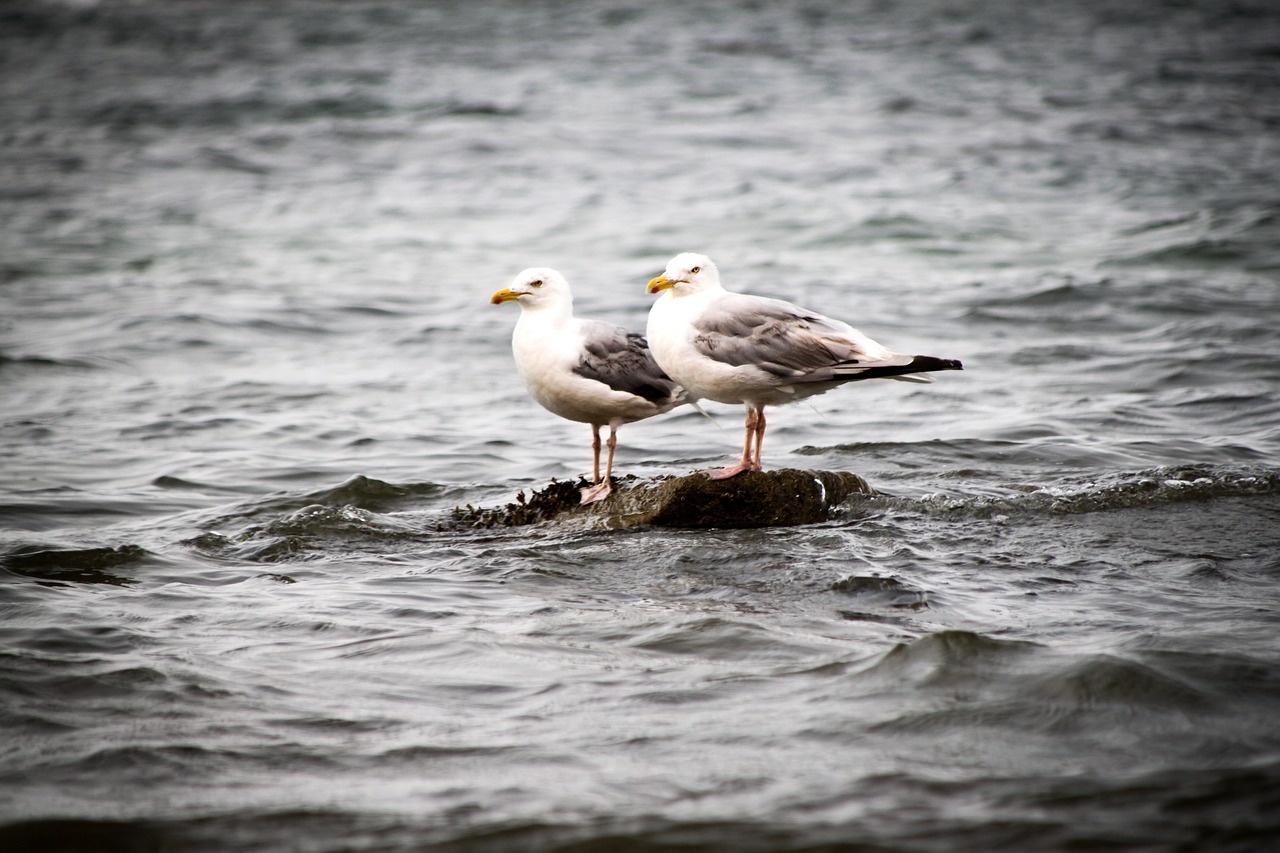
(248, 367)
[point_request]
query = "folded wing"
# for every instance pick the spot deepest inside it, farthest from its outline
(790, 343)
(621, 360)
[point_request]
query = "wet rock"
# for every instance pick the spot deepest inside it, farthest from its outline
(756, 499)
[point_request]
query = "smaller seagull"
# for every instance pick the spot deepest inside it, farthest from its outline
(588, 371)
(735, 348)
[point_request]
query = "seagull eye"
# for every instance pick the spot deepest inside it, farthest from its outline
(696, 270)
(537, 283)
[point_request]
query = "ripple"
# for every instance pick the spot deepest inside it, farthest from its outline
(719, 639)
(1153, 487)
(249, 363)
(1107, 680)
(948, 657)
(86, 565)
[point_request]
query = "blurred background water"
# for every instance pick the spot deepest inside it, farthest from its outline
(247, 367)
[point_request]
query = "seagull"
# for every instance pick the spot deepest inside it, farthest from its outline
(736, 348)
(588, 371)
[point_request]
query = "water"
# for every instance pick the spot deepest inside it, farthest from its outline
(248, 368)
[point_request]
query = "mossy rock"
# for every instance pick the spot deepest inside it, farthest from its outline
(779, 498)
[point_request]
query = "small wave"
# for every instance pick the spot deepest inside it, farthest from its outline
(1153, 487)
(1005, 685)
(1107, 680)
(979, 466)
(313, 529)
(41, 361)
(171, 762)
(374, 495)
(427, 755)
(476, 108)
(1206, 251)
(71, 688)
(719, 639)
(78, 640)
(320, 829)
(752, 47)
(293, 526)
(882, 591)
(1142, 307)
(232, 162)
(928, 236)
(127, 114)
(1160, 224)
(327, 520)
(1057, 300)
(165, 481)
(1239, 237)
(170, 427)
(358, 492)
(57, 567)
(948, 656)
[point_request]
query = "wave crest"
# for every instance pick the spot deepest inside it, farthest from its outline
(1129, 490)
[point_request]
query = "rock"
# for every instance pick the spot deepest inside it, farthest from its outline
(755, 499)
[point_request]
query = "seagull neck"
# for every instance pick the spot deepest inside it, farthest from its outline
(678, 292)
(553, 314)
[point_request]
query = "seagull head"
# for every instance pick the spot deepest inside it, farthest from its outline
(536, 287)
(686, 274)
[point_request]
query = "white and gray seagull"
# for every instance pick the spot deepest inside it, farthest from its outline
(736, 348)
(588, 371)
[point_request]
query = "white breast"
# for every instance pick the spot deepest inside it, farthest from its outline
(671, 333)
(546, 352)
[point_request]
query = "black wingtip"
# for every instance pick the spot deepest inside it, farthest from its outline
(927, 362)
(919, 364)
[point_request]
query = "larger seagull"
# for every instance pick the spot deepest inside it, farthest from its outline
(735, 348)
(588, 371)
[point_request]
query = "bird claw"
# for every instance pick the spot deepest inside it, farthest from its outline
(598, 492)
(726, 473)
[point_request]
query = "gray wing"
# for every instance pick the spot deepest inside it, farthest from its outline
(621, 360)
(784, 340)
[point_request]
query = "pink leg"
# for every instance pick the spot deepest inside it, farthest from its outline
(602, 488)
(613, 445)
(595, 453)
(755, 425)
(757, 464)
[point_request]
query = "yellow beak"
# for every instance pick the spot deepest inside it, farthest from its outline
(660, 283)
(504, 295)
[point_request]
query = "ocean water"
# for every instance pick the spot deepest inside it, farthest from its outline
(248, 368)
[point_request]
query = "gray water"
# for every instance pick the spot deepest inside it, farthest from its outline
(248, 368)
